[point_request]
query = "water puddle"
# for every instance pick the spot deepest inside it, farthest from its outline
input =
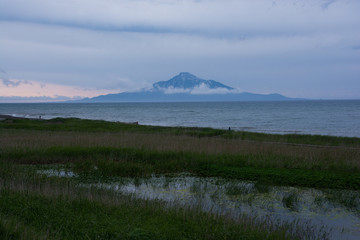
(57, 173)
(338, 210)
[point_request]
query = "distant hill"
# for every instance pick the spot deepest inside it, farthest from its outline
(186, 87)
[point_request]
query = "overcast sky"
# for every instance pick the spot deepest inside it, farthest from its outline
(68, 48)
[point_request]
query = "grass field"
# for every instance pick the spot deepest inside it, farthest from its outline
(38, 207)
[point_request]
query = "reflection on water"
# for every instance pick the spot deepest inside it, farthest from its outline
(57, 173)
(339, 210)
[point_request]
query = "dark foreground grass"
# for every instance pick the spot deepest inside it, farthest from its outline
(65, 218)
(35, 207)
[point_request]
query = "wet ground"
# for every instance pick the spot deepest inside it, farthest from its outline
(335, 213)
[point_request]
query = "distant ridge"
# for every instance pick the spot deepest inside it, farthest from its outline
(186, 87)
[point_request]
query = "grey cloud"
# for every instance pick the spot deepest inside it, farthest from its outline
(16, 99)
(181, 16)
(10, 83)
(13, 83)
(327, 4)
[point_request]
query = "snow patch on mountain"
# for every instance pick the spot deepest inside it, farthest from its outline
(188, 83)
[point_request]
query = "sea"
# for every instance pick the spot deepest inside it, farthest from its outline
(331, 117)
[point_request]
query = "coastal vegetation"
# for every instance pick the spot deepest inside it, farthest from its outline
(36, 206)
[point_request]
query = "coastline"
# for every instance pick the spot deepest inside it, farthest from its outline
(332, 118)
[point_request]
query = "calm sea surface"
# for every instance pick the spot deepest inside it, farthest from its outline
(337, 118)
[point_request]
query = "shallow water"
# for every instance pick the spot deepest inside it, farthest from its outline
(338, 210)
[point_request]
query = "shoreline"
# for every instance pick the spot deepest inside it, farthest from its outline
(4, 117)
(337, 118)
(10, 117)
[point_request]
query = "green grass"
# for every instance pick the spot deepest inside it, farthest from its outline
(75, 124)
(139, 163)
(35, 207)
(64, 218)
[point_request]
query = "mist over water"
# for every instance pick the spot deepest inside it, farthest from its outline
(336, 118)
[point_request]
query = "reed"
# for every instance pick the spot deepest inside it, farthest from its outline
(132, 162)
(277, 155)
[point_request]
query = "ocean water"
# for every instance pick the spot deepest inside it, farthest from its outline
(336, 118)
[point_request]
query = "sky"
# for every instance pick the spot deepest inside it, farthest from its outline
(69, 49)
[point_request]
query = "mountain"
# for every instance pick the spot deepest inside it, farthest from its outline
(186, 87)
(187, 81)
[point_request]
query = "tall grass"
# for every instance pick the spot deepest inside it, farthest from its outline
(81, 125)
(275, 155)
(108, 161)
(12, 229)
(135, 153)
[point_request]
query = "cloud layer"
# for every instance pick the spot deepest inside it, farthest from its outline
(10, 88)
(205, 16)
(300, 48)
(201, 89)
